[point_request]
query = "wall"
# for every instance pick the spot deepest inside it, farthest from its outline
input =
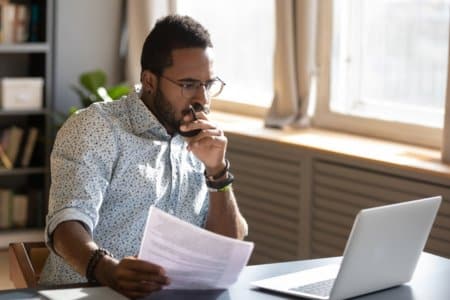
(87, 35)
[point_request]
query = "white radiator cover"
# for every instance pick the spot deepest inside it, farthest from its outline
(267, 185)
(301, 204)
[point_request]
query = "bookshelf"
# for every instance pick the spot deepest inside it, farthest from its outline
(28, 59)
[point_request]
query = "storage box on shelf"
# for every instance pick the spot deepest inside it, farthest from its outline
(21, 93)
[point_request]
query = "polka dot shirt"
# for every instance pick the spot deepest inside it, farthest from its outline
(109, 164)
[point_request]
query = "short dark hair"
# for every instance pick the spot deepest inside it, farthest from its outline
(171, 32)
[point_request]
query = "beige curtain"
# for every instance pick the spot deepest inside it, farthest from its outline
(294, 63)
(141, 16)
(445, 149)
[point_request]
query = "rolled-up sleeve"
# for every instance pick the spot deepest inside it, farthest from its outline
(82, 160)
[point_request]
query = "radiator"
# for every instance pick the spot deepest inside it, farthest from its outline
(300, 204)
(267, 186)
(340, 191)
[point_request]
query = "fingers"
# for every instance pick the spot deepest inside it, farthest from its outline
(134, 269)
(137, 289)
(137, 278)
(209, 144)
(132, 263)
(202, 124)
(211, 138)
(140, 276)
(202, 114)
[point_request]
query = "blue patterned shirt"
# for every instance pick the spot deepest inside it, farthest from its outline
(109, 164)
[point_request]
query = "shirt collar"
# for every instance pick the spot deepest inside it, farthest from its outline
(142, 119)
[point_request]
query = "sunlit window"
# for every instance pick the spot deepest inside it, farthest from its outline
(243, 37)
(389, 59)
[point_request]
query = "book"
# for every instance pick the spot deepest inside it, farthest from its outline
(7, 20)
(35, 28)
(14, 22)
(5, 138)
(15, 140)
(29, 146)
(5, 208)
(20, 25)
(19, 210)
(5, 159)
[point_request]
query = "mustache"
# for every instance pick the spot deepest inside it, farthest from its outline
(195, 108)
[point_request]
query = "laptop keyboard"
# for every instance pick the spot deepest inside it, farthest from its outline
(321, 288)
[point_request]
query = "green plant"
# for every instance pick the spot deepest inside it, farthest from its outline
(93, 89)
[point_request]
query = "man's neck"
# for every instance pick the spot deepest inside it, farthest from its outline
(149, 103)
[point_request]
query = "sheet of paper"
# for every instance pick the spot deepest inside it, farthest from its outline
(91, 293)
(193, 258)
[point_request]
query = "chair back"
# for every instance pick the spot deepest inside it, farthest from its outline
(26, 260)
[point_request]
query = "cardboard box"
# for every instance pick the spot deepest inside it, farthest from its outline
(21, 93)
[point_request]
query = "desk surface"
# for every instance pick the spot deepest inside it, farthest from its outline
(430, 281)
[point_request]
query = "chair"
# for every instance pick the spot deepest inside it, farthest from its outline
(26, 260)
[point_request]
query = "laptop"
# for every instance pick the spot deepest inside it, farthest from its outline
(381, 252)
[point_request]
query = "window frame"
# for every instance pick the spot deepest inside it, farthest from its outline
(324, 117)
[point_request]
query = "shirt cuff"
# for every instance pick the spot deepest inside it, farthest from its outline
(67, 214)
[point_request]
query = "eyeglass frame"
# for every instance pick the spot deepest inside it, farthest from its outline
(184, 85)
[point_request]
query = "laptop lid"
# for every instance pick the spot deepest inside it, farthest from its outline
(382, 251)
(384, 246)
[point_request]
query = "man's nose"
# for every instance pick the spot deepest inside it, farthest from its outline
(197, 107)
(201, 95)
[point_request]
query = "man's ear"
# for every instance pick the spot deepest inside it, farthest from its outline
(149, 82)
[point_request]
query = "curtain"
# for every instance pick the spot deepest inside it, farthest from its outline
(141, 16)
(445, 148)
(294, 63)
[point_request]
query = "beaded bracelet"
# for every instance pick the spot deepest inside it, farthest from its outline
(93, 262)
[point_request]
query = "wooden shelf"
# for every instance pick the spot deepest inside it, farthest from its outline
(25, 48)
(22, 171)
(23, 112)
(8, 236)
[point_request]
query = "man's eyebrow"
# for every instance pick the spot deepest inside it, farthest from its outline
(189, 79)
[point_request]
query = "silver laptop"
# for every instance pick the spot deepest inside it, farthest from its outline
(381, 252)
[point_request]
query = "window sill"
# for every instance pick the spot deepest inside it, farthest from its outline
(406, 157)
(232, 107)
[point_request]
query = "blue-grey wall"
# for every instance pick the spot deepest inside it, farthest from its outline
(86, 37)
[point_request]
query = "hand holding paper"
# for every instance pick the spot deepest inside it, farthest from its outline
(192, 257)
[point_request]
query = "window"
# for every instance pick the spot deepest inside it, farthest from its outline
(388, 68)
(243, 34)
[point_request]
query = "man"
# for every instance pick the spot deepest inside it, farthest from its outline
(113, 160)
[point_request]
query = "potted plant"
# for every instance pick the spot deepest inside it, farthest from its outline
(92, 89)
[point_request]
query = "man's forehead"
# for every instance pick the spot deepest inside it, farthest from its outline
(186, 61)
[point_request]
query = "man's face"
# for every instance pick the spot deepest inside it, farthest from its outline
(188, 64)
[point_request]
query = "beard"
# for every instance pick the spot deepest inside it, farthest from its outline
(166, 113)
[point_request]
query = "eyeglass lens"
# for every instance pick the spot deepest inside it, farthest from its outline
(213, 88)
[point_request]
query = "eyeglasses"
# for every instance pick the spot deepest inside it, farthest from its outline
(189, 89)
